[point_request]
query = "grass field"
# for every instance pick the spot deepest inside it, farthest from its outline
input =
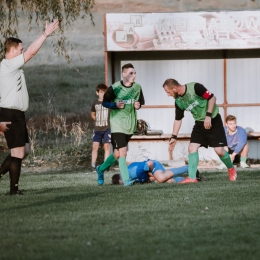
(68, 216)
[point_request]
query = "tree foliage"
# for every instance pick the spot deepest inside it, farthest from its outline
(37, 12)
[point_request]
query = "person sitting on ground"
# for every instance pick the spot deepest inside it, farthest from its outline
(236, 141)
(153, 171)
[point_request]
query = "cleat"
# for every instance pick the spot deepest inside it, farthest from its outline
(244, 165)
(100, 178)
(16, 193)
(129, 183)
(199, 177)
(232, 174)
(188, 180)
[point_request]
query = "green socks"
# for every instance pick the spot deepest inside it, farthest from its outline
(123, 168)
(226, 160)
(193, 164)
(243, 159)
(107, 163)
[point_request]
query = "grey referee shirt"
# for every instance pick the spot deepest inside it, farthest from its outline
(13, 90)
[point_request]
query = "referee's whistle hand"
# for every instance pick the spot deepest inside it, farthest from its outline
(3, 126)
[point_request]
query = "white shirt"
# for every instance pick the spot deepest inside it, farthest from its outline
(13, 90)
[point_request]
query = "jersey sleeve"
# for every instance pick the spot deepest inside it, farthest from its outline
(141, 98)
(109, 95)
(201, 91)
(179, 113)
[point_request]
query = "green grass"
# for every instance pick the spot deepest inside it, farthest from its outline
(68, 216)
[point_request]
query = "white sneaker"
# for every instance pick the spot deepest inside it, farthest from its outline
(222, 166)
(244, 165)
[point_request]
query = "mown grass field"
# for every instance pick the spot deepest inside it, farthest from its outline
(66, 215)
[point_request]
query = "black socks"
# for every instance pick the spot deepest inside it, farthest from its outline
(14, 172)
(5, 166)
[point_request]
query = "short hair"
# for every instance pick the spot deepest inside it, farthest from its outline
(127, 66)
(231, 118)
(11, 42)
(170, 83)
(101, 87)
(116, 178)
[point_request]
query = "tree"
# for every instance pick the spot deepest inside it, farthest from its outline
(37, 12)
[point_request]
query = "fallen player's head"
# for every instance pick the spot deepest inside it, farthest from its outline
(116, 179)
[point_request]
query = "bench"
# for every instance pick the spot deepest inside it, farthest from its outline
(181, 137)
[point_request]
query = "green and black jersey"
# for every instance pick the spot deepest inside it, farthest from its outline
(123, 120)
(195, 100)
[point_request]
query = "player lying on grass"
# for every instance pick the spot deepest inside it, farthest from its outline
(152, 171)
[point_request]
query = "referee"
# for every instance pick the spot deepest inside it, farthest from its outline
(15, 101)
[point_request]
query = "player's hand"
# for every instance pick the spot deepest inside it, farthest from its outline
(3, 126)
(207, 122)
(172, 144)
(137, 104)
(51, 27)
(120, 104)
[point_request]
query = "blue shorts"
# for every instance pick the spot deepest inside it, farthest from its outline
(102, 135)
(157, 166)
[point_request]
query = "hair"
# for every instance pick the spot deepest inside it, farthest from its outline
(127, 66)
(11, 42)
(101, 87)
(230, 118)
(170, 83)
(116, 178)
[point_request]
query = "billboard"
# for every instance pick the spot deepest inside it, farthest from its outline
(182, 31)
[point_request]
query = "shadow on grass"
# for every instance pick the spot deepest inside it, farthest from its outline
(58, 200)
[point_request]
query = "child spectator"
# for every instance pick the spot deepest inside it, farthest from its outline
(100, 115)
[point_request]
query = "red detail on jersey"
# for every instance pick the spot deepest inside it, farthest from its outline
(206, 95)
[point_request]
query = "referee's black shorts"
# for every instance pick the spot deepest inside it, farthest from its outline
(17, 134)
(213, 137)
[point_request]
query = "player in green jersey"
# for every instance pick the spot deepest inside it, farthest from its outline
(208, 129)
(123, 98)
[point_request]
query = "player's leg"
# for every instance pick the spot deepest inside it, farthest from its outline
(5, 165)
(243, 156)
(94, 153)
(179, 170)
(120, 141)
(159, 172)
(107, 142)
(96, 140)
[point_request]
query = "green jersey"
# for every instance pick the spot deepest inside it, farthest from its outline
(124, 120)
(197, 105)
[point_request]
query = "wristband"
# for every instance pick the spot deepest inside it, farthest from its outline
(173, 137)
(208, 114)
(45, 34)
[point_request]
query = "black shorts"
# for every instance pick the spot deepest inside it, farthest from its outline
(17, 134)
(213, 137)
(119, 140)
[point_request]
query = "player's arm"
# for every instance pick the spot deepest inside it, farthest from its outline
(179, 114)
(108, 99)
(138, 103)
(36, 44)
(93, 115)
(201, 91)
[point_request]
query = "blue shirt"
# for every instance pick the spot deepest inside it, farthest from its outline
(237, 141)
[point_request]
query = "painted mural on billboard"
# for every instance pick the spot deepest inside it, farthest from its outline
(180, 31)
